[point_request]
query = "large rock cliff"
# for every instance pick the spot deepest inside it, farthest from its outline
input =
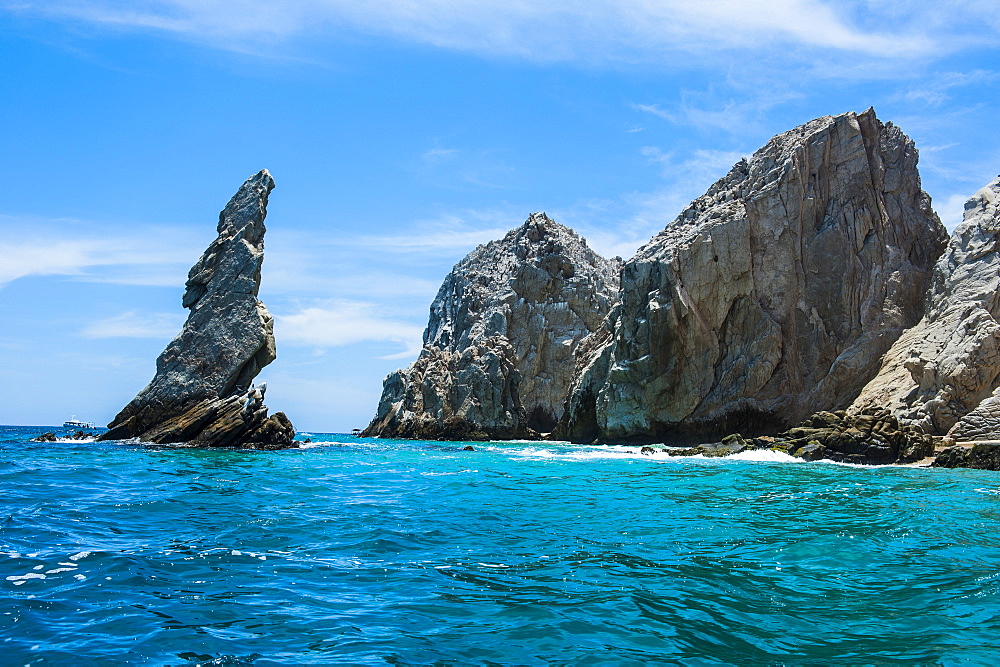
(202, 392)
(772, 296)
(499, 347)
(942, 374)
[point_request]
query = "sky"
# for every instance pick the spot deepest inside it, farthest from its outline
(401, 134)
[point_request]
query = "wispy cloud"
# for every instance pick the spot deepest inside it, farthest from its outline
(559, 29)
(70, 248)
(937, 90)
(336, 323)
(705, 111)
(132, 324)
(452, 232)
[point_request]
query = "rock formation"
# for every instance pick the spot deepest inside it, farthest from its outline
(873, 438)
(942, 373)
(202, 392)
(498, 354)
(771, 297)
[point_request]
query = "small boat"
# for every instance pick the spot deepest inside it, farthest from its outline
(73, 422)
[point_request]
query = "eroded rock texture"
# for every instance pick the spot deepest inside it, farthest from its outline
(941, 374)
(873, 438)
(772, 296)
(498, 353)
(202, 392)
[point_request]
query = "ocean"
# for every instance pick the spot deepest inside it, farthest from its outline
(368, 552)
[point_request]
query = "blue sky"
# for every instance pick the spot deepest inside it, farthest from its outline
(401, 134)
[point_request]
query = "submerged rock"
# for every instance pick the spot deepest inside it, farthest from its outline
(943, 373)
(499, 348)
(772, 296)
(202, 393)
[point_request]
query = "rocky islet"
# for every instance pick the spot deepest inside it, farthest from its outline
(202, 393)
(780, 302)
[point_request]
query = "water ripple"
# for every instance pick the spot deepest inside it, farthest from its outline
(372, 552)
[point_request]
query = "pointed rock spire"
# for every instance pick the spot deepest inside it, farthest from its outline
(202, 392)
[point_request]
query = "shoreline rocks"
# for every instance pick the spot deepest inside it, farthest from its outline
(202, 393)
(874, 437)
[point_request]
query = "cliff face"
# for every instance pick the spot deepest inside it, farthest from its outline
(942, 373)
(772, 296)
(202, 391)
(498, 353)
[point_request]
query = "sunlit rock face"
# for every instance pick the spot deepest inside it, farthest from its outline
(498, 355)
(772, 296)
(944, 373)
(202, 392)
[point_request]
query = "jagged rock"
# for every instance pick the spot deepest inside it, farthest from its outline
(873, 437)
(772, 296)
(45, 437)
(498, 355)
(939, 371)
(981, 456)
(202, 392)
(952, 457)
(983, 423)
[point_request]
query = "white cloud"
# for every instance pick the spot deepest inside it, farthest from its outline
(599, 30)
(703, 111)
(60, 247)
(937, 90)
(339, 322)
(452, 232)
(952, 210)
(131, 324)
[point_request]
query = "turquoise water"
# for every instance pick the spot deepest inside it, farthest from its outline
(407, 552)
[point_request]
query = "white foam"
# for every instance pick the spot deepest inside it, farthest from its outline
(766, 455)
(82, 554)
(60, 569)
(25, 577)
(66, 441)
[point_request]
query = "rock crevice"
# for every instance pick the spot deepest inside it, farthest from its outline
(943, 374)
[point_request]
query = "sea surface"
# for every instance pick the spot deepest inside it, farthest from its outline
(366, 551)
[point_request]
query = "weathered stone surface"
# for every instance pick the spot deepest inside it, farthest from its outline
(872, 438)
(952, 457)
(772, 296)
(981, 456)
(939, 371)
(498, 355)
(982, 423)
(202, 392)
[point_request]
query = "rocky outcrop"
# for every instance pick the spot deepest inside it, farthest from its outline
(873, 438)
(981, 456)
(498, 354)
(942, 373)
(772, 296)
(202, 393)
